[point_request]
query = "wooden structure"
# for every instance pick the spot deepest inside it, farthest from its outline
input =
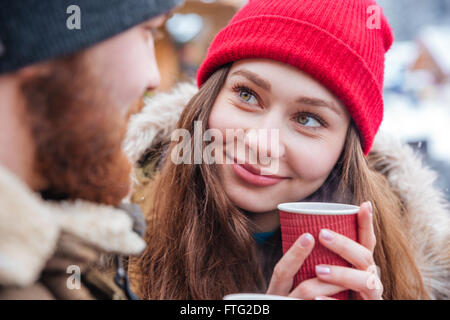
(180, 61)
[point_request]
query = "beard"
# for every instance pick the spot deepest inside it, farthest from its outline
(78, 134)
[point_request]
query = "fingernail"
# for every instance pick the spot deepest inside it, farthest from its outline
(322, 270)
(326, 235)
(305, 240)
(370, 207)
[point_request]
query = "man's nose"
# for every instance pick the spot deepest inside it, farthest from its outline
(153, 82)
(153, 70)
(154, 75)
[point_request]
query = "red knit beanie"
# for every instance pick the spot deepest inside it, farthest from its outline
(340, 43)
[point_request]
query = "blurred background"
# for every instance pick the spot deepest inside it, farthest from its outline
(417, 80)
(417, 76)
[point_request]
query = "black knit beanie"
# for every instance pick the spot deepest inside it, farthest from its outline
(37, 30)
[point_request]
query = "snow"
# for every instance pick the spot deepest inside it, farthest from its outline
(430, 120)
(415, 107)
(399, 59)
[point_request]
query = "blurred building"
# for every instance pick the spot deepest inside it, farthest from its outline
(417, 97)
(187, 36)
(434, 53)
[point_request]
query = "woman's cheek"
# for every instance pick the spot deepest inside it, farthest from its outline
(310, 161)
(224, 116)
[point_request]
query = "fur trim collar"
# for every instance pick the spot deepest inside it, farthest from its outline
(427, 210)
(157, 120)
(30, 229)
(428, 213)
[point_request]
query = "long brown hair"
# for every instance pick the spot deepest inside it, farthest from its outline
(200, 246)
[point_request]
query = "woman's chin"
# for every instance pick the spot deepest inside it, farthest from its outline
(253, 204)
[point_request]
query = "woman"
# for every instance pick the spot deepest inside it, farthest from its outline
(313, 71)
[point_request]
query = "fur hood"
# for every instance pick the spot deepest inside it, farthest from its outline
(30, 230)
(428, 213)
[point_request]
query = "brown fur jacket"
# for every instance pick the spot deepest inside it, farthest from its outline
(44, 246)
(428, 214)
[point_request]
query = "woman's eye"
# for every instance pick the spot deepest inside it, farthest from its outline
(305, 119)
(247, 96)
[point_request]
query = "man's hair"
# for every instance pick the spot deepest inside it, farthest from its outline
(77, 134)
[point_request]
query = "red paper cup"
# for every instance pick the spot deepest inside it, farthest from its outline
(297, 218)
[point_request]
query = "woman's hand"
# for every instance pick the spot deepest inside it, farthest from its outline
(285, 270)
(363, 278)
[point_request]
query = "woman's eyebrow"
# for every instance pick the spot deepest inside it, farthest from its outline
(253, 77)
(316, 102)
(309, 101)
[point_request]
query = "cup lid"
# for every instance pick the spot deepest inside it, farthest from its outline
(256, 296)
(325, 208)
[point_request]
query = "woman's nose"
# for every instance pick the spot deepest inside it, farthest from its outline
(265, 143)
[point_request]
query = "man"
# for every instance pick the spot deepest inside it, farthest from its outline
(71, 74)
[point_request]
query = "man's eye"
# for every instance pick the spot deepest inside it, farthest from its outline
(156, 33)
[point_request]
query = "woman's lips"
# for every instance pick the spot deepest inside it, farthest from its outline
(252, 175)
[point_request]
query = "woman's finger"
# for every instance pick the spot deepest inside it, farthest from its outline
(367, 284)
(285, 270)
(312, 288)
(366, 234)
(350, 250)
